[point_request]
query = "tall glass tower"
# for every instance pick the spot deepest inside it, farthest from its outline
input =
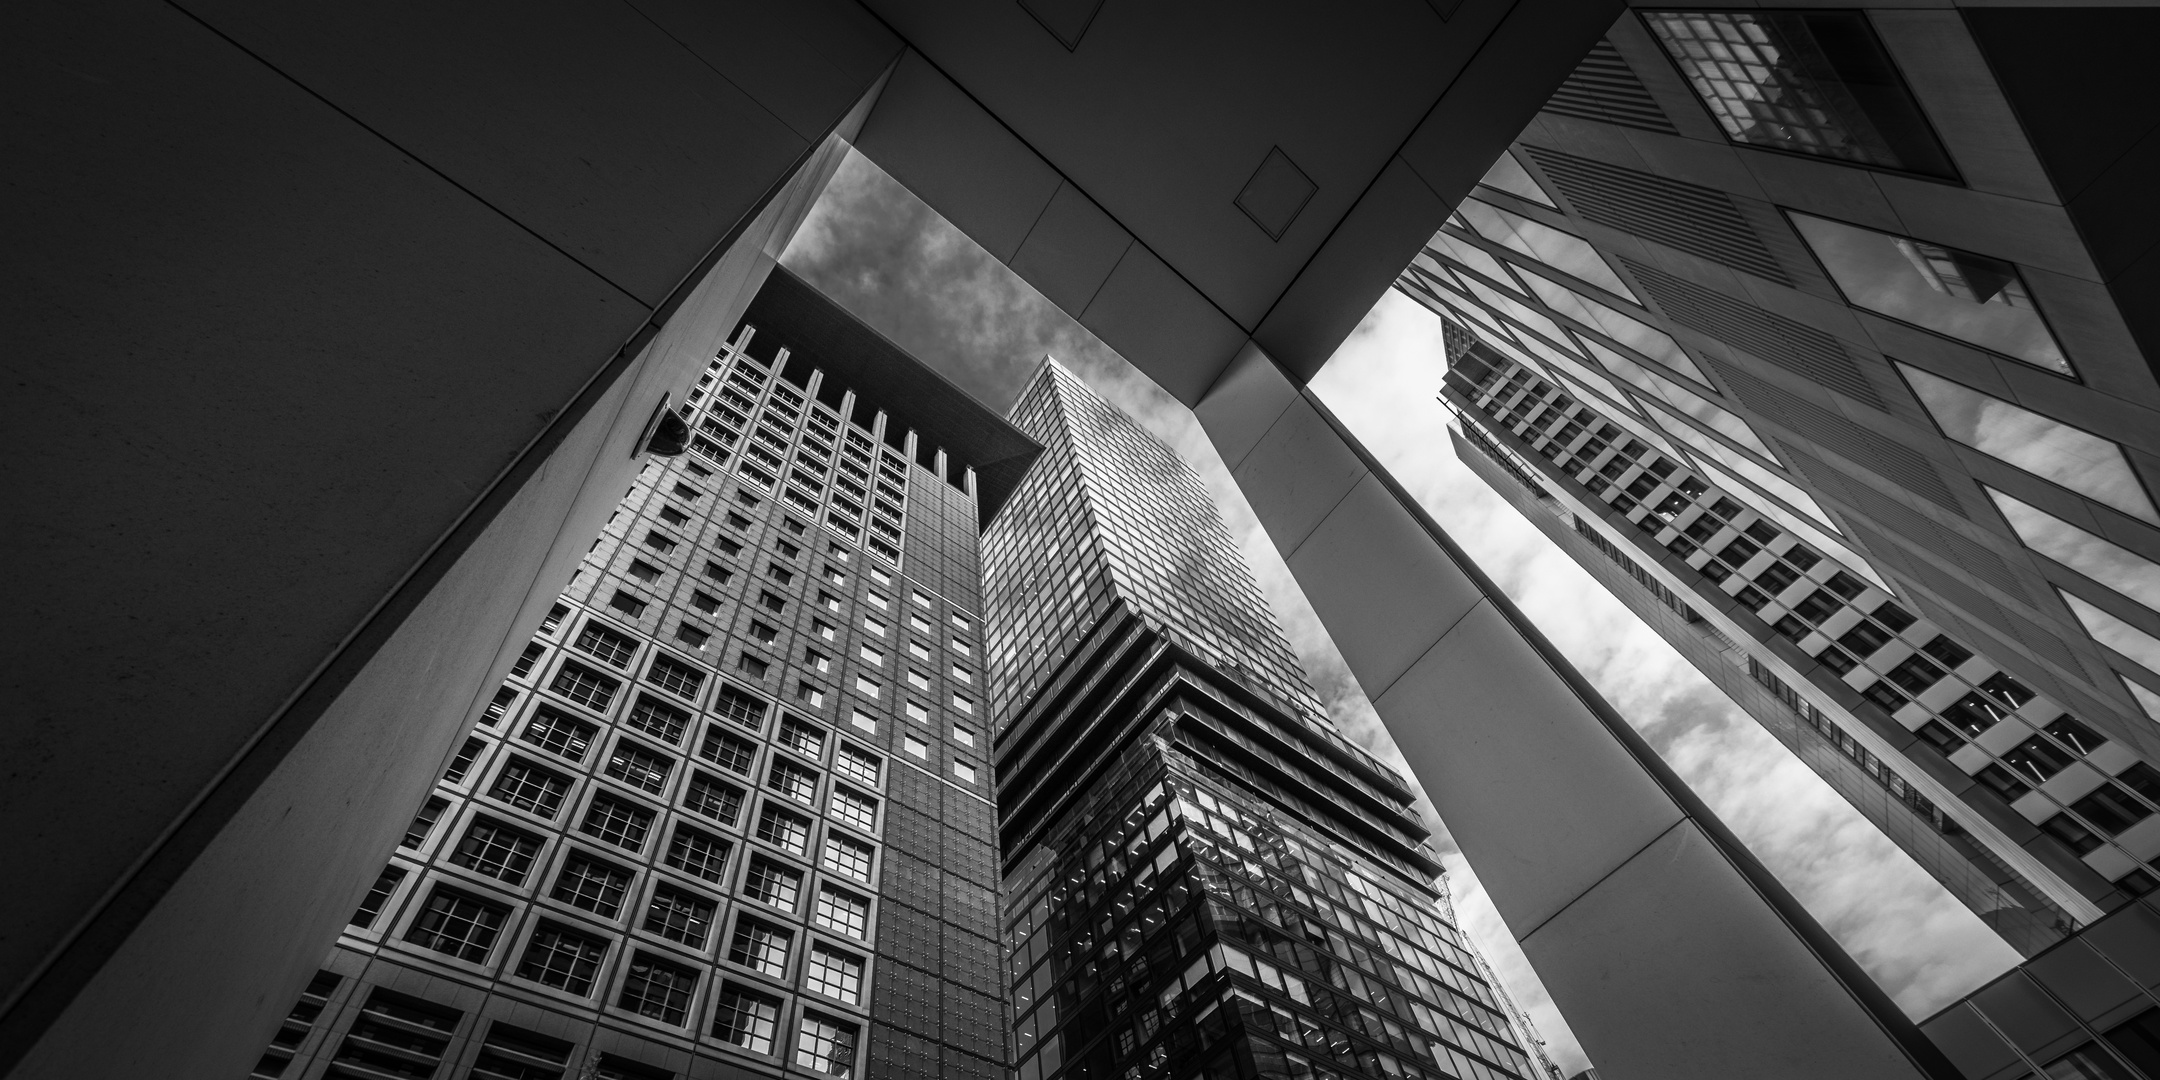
(1202, 878)
(730, 814)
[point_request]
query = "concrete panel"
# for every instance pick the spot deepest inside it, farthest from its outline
(1071, 250)
(586, 124)
(1387, 228)
(1296, 474)
(810, 59)
(957, 157)
(1542, 799)
(1160, 323)
(1969, 1042)
(1674, 968)
(1244, 403)
(1373, 572)
(254, 379)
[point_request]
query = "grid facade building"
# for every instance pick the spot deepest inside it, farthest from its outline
(1202, 878)
(1772, 282)
(730, 814)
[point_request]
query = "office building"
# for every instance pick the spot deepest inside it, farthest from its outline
(730, 814)
(1825, 293)
(1202, 877)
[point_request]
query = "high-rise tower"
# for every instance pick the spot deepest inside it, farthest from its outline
(730, 816)
(1202, 877)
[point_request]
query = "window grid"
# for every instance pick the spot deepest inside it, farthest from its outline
(458, 925)
(617, 822)
(593, 885)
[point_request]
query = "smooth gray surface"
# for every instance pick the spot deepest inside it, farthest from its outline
(1678, 933)
(1296, 474)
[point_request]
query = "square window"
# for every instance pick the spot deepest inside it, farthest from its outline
(771, 601)
(705, 602)
(826, 1046)
(596, 886)
(727, 751)
(854, 808)
(497, 850)
(585, 686)
(857, 763)
(786, 831)
(763, 633)
(675, 677)
(850, 857)
(562, 958)
(691, 634)
(842, 912)
(680, 915)
(559, 733)
(834, 973)
(816, 661)
(713, 798)
(962, 735)
(639, 766)
(718, 573)
(822, 629)
(658, 718)
(811, 696)
(528, 787)
(751, 666)
(747, 1019)
(658, 989)
(644, 571)
(761, 946)
(659, 541)
(458, 925)
(372, 904)
(617, 822)
(770, 882)
(695, 851)
(792, 780)
(918, 650)
(802, 737)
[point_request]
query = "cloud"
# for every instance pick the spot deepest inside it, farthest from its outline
(881, 253)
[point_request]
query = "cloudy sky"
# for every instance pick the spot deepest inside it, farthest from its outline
(883, 254)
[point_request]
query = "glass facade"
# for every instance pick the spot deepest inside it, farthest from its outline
(1202, 877)
(2043, 446)
(678, 833)
(1809, 82)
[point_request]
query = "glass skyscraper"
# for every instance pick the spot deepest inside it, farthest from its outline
(730, 814)
(1202, 878)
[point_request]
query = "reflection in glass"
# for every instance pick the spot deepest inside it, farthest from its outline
(1973, 298)
(2110, 564)
(2052, 450)
(1687, 401)
(1476, 258)
(1508, 174)
(1740, 463)
(1563, 251)
(1521, 312)
(2146, 699)
(1625, 329)
(2115, 633)
(1811, 82)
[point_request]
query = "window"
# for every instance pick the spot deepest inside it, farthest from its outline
(962, 674)
(675, 677)
(585, 686)
(771, 601)
(863, 720)
(866, 686)
(792, 780)
(497, 850)
(850, 857)
(834, 973)
(687, 493)
(378, 895)
(1949, 652)
(822, 629)
(1915, 673)
(811, 696)
(499, 707)
(918, 712)
(719, 574)
(803, 738)
(554, 619)
(727, 546)
(918, 680)
(713, 798)
(960, 622)
(856, 763)
(842, 912)
(1565, 252)
(786, 831)
(658, 989)
(458, 925)
(1809, 82)
(2079, 738)
(2075, 836)
(672, 516)
(529, 787)
(915, 747)
(617, 822)
(562, 958)
(680, 916)
(965, 772)
(704, 602)
(2111, 809)
(1973, 714)
(918, 650)
(854, 808)
(525, 661)
(769, 882)
(727, 751)
(658, 718)
(875, 626)
(644, 571)
(827, 1046)
(639, 766)
(760, 947)
(627, 603)
(2002, 782)
(596, 886)
(2006, 689)
(2075, 458)
(816, 660)
(691, 634)
(752, 667)
(659, 541)
(779, 573)
(740, 706)
(463, 762)
(1883, 694)
(747, 1019)
(559, 733)
(963, 735)
(963, 703)
(1864, 638)
(695, 851)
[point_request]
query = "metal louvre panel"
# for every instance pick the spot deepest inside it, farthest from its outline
(1908, 467)
(1693, 218)
(1794, 346)
(1605, 89)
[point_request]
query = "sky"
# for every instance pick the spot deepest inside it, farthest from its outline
(881, 253)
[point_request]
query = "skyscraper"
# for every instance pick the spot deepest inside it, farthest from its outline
(1202, 877)
(1819, 282)
(731, 813)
